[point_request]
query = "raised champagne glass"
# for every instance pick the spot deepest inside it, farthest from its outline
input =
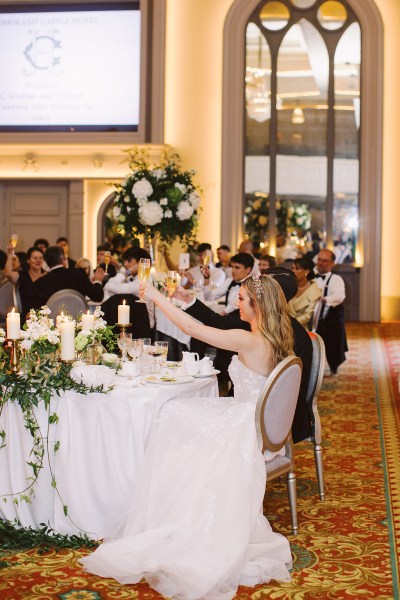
(107, 259)
(14, 241)
(171, 283)
(144, 272)
(207, 258)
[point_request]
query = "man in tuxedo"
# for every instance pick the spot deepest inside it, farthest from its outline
(330, 325)
(61, 278)
(241, 267)
(301, 428)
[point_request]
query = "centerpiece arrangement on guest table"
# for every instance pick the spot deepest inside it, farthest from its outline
(157, 200)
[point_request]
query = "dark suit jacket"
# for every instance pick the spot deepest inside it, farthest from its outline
(65, 279)
(301, 428)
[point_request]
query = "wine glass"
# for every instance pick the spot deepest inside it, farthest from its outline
(163, 350)
(144, 271)
(107, 259)
(135, 349)
(14, 241)
(172, 283)
(124, 341)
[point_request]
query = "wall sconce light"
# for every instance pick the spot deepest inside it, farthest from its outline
(298, 116)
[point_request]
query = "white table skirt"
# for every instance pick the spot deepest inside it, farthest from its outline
(102, 442)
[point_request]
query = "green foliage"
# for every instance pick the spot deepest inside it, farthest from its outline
(13, 537)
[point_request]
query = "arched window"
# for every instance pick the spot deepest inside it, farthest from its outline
(339, 200)
(302, 125)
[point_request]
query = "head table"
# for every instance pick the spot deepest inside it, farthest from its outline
(102, 440)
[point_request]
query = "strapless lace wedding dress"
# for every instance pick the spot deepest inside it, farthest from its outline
(194, 528)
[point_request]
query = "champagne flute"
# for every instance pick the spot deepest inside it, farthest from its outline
(107, 259)
(14, 241)
(207, 258)
(144, 272)
(171, 283)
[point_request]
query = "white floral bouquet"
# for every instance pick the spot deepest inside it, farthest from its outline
(101, 332)
(39, 335)
(160, 199)
(299, 216)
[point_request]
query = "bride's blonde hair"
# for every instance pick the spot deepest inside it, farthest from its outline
(272, 317)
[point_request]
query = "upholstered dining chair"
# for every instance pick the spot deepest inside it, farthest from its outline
(70, 301)
(275, 410)
(314, 386)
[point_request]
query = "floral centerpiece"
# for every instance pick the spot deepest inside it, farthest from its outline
(40, 337)
(101, 332)
(157, 199)
(299, 217)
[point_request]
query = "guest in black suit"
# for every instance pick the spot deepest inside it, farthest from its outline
(301, 428)
(61, 278)
(64, 244)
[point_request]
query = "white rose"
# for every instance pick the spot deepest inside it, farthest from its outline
(168, 214)
(194, 200)
(150, 214)
(164, 201)
(181, 187)
(142, 189)
(127, 199)
(158, 173)
(116, 212)
(185, 211)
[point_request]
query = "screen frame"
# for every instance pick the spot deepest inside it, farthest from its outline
(87, 134)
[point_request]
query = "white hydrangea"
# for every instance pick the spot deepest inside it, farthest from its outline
(168, 214)
(164, 201)
(142, 189)
(185, 210)
(150, 214)
(141, 202)
(158, 173)
(181, 187)
(194, 199)
(116, 212)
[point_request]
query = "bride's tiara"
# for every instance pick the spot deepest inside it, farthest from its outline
(258, 285)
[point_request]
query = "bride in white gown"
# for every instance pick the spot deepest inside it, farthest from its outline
(194, 527)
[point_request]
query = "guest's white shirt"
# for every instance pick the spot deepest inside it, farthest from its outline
(336, 292)
(126, 284)
(217, 276)
(211, 293)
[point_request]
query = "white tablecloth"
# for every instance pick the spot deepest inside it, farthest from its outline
(102, 442)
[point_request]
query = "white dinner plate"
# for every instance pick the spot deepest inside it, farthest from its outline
(168, 380)
(213, 372)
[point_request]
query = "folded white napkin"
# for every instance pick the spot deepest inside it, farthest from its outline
(94, 375)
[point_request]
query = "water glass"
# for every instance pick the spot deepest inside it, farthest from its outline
(162, 345)
(124, 341)
(135, 350)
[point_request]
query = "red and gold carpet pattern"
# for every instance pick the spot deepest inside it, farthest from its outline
(347, 546)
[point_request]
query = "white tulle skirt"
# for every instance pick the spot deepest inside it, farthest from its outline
(193, 527)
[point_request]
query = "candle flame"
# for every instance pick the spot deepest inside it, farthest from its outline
(13, 310)
(123, 302)
(88, 312)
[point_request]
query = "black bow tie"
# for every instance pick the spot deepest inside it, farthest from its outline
(323, 277)
(233, 283)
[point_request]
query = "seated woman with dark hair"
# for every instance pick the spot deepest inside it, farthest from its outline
(25, 277)
(301, 307)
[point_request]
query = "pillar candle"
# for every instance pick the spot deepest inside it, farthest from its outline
(123, 313)
(59, 319)
(13, 325)
(87, 321)
(67, 330)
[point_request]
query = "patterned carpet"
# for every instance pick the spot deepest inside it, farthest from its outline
(347, 546)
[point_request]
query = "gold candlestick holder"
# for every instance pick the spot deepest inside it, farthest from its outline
(124, 327)
(14, 356)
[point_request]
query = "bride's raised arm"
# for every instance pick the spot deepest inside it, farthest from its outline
(234, 339)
